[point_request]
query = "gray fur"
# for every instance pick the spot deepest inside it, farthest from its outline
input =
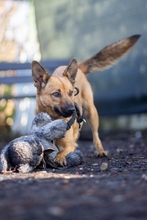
(74, 158)
(26, 153)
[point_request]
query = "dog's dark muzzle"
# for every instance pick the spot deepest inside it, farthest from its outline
(65, 112)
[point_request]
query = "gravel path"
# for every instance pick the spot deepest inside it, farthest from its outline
(100, 188)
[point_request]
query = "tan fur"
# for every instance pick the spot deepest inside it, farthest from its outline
(55, 94)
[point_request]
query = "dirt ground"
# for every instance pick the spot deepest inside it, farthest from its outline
(100, 188)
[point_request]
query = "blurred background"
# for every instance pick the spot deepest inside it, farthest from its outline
(50, 31)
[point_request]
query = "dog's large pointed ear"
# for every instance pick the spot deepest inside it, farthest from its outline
(71, 71)
(39, 74)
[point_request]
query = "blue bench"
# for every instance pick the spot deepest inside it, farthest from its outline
(24, 75)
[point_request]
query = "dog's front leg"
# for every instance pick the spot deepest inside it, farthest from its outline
(65, 146)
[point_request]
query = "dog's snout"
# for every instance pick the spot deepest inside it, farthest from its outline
(70, 110)
(65, 111)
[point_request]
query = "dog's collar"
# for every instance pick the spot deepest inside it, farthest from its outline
(76, 115)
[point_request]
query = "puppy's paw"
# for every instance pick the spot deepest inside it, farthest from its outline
(60, 159)
(102, 153)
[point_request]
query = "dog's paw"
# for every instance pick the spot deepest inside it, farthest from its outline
(60, 159)
(102, 153)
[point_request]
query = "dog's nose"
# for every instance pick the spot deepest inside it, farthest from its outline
(70, 110)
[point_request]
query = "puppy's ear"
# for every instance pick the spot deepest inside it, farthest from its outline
(71, 71)
(39, 74)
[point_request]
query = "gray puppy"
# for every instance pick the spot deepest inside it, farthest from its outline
(25, 153)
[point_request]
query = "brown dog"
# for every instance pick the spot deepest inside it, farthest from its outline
(67, 93)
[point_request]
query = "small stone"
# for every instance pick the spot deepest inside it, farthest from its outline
(138, 134)
(95, 164)
(56, 211)
(119, 150)
(97, 181)
(104, 166)
(66, 181)
(118, 198)
(144, 176)
(129, 162)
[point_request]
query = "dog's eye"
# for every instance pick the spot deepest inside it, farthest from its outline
(56, 94)
(70, 93)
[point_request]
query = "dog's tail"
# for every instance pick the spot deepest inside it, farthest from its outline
(108, 56)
